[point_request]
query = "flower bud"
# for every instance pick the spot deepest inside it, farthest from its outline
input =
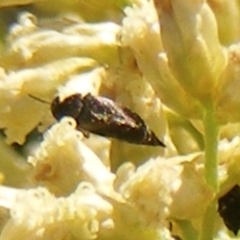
(227, 93)
(190, 39)
(228, 16)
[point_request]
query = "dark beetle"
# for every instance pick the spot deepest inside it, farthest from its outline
(229, 209)
(104, 117)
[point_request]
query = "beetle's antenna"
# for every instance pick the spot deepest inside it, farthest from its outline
(39, 99)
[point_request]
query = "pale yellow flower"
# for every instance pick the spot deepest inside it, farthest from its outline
(173, 62)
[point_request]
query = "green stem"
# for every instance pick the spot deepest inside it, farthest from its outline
(208, 222)
(211, 144)
(211, 174)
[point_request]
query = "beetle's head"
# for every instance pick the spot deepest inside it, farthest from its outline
(70, 106)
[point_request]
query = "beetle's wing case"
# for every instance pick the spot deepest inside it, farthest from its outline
(104, 117)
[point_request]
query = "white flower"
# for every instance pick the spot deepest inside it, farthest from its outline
(37, 214)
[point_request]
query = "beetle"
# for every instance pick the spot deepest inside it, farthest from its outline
(229, 209)
(104, 117)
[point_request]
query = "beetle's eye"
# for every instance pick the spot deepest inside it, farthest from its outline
(71, 106)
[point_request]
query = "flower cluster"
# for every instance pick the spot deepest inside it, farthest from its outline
(175, 63)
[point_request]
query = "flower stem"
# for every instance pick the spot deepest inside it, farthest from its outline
(211, 174)
(211, 144)
(208, 222)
